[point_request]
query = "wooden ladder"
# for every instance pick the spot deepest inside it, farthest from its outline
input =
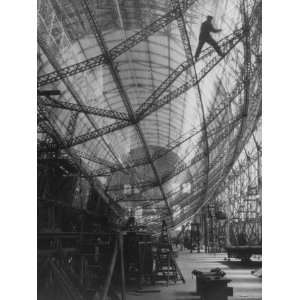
(166, 267)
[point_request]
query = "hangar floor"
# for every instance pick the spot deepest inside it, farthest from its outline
(245, 284)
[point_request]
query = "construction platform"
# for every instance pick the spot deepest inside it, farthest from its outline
(245, 284)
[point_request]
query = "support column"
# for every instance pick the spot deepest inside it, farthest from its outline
(121, 248)
(110, 271)
(206, 235)
(228, 215)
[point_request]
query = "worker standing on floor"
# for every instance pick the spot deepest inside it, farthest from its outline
(205, 37)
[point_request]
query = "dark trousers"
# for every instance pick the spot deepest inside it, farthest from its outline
(209, 40)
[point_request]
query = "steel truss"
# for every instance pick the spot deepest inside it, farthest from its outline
(72, 125)
(51, 130)
(155, 103)
(221, 107)
(117, 50)
(247, 117)
(189, 55)
(250, 117)
(217, 111)
(246, 79)
(240, 198)
(181, 166)
(80, 108)
(157, 155)
(96, 159)
(97, 32)
(237, 171)
(213, 176)
(75, 96)
(181, 140)
(214, 184)
(85, 137)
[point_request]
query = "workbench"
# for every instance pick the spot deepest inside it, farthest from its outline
(212, 285)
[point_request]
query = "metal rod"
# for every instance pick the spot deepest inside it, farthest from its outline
(121, 248)
(110, 271)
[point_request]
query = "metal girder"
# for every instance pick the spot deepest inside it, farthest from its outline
(225, 173)
(45, 129)
(236, 172)
(117, 50)
(187, 136)
(48, 101)
(183, 31)
(154, 103)
(213, 115)
(118, 125)
(51, 58)
(97, 32)
(189, 56)
(246, 80)
(162, 152)
(241, 136)
(138, 200)
(181, 167)
(158, 103)
(72, 125)
(193, 201)
(159, 153)
(77, 162)
(199, 192)
(208, 52)
(71, 291)
(200, 187)
(194, 209)
(98, 160)
(122, 124)
(243, 142)
(227, 170)
(86, 137)
(258, 146)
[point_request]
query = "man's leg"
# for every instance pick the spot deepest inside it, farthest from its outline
(199, 47)
(215, 45)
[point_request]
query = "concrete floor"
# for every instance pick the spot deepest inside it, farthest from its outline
(245, 285)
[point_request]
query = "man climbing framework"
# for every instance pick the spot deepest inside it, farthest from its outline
(205, 37)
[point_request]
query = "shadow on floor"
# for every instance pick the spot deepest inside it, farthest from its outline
(186, 298)
(185, 295)
(241, 265)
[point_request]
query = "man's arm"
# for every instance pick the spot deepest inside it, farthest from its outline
(213, 29)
